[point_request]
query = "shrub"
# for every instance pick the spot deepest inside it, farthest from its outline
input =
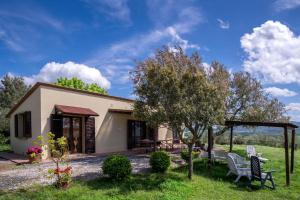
(117, 167)
(160, 161)
(185, 155)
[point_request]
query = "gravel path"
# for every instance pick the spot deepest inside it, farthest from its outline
(84, 168)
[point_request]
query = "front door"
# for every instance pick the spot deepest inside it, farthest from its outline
(72, 130)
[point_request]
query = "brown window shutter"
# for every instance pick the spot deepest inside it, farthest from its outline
(16, 126)
(90, 135)
(57, 125)
(27, 124)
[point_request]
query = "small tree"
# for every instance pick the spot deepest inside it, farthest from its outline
(58, 149)
(76, 83)
(11, 90)
(173, 89)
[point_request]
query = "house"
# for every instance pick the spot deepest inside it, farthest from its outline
(92, 122)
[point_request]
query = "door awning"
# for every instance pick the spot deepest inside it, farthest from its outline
(72, 110)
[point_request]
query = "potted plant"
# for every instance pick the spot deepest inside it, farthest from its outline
(59, 155)
(34, 154)
(64, 177)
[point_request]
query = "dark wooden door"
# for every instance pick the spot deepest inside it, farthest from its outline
(90, 135)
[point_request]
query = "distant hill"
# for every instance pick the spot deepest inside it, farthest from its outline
(262, 130)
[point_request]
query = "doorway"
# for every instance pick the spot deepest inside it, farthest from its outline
(72, 130)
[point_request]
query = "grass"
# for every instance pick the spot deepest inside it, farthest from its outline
(206, 184)
(4, 147)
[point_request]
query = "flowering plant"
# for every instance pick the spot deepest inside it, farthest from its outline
(33, 151)
(59, 153)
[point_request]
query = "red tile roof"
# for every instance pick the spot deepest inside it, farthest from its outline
(71, 110)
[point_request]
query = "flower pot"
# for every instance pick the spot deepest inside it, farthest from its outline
(35, 159)
(64, 185)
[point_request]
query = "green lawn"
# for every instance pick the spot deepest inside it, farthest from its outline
(4, 147)
(206, 184)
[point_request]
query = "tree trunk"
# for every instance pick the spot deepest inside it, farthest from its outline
(190, 147)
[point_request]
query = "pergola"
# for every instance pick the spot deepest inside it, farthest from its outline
(286, 126)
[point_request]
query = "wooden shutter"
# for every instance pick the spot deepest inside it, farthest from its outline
(57, 125)
(90, 135)
(27, 124)
(16, 126)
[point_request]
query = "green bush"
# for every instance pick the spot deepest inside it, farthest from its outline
(185, 155)
(117, 167)
(160, 161)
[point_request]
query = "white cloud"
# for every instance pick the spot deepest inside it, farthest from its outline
(278, 92)
(183, 15)
(293, 107)
(272, 53)
(281, 5)
(51, 71)
(116, 60)
(114, 9)
(293, 110)
(223, 24)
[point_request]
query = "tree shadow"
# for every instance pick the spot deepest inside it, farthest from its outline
(145, 181)
(218, 172)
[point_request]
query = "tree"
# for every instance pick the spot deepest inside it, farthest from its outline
(245, 97)
(79, 84)
(173, 89)
(11, 90)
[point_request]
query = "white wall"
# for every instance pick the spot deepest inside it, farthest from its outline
(33, 104)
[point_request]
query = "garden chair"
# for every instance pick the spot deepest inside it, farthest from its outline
(251, 151)
(219, 155)
(258, 174)
(238, 167)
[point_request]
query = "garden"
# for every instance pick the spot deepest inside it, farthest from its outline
(171, 184)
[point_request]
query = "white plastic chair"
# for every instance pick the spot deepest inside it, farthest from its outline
(219, 155)
(250, 151)
(238, 166)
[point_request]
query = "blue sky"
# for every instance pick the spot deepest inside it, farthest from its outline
(101, 40)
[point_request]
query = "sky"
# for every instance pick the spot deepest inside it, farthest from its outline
(102, 40)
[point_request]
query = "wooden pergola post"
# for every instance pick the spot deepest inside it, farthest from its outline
(231, 135)
(292, 150)
(286, 150)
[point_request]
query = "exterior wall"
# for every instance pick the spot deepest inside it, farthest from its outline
(33, 104)
(110, 128)
(164, 133)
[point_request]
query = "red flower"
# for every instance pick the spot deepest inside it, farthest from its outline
(36, 150)
(67, 170)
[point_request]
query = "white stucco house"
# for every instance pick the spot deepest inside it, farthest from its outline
(92, 122)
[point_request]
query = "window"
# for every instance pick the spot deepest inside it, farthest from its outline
(137, 130)
(23, 125)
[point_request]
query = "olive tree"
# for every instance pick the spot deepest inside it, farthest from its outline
(245, 99)
(173, 89)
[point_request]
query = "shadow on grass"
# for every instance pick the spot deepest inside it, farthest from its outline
(217, 172)
(145, 181)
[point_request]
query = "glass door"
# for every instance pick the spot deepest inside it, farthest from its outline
(72, 130)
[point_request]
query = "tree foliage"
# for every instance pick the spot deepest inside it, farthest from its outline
(245, 99)
(79, 84)
(173, 89)
(179, 91)
(11, 90)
